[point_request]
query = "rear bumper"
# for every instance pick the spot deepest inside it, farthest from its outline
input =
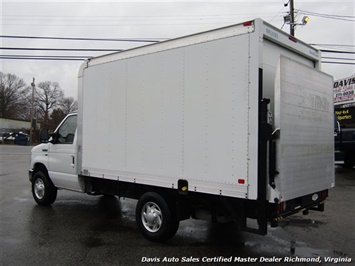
(314, 201)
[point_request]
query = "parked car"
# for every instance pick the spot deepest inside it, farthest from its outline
(19, 138)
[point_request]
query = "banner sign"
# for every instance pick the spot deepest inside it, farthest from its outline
(346, 115)
(344, 90)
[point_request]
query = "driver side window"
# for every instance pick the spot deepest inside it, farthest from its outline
(66, 132)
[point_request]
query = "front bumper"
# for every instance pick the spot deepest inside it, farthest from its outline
(30, 174)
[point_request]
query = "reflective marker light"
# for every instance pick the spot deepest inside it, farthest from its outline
(241, 181)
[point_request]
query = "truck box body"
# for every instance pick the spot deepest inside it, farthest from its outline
(189, 109)
(225, 125)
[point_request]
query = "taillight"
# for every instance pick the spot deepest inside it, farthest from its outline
(281, 207)
(324, 194)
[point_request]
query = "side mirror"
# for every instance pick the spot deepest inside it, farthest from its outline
(44, 135)
(337, 129)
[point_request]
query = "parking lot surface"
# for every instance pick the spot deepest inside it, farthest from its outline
(79, 229)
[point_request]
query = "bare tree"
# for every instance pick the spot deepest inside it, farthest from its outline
(13, 93)
(69, 105)
(56, 117)
(48, 96)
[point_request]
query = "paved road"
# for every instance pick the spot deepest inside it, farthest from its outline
(94, 230)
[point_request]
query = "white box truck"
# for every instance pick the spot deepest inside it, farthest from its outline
(233, 124)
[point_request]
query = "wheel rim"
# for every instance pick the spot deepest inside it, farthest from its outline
(152, 217)
(39, 188)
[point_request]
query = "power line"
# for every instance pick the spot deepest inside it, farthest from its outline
(345, 61)
(329, 16)
(336, 52)
(67, 56)
(50, 58)
(45, 57)
(82, 58)
(140, 16)
(60, 49)
(122, 21)
(143, 24)
(117, 50)
(42, 58)
(338, 63)
(338, 58)
(176, 17)
(81, 39)
(334, 45)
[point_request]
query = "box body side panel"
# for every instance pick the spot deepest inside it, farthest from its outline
(176, 114)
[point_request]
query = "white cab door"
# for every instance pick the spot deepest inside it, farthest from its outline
(62, 156)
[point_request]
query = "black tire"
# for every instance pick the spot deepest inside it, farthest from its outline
(43, 191)
(155, 218)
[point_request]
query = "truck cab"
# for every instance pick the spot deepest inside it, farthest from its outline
(55, 157)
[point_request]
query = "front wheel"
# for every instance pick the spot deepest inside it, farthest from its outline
(156, 219)
(43, 191)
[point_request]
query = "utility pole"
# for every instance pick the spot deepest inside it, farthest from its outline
(32, 111)
(292, 18)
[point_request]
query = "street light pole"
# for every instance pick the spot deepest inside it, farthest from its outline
(32, 111)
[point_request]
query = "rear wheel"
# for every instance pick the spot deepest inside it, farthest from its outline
(156, 218)
(43, 191)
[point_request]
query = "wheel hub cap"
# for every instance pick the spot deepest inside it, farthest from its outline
(39, 188)
(151, 217)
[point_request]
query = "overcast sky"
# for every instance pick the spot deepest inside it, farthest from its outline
(162, 20)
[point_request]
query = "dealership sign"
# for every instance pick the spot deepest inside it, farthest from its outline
(344, 90)
(346, 115)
